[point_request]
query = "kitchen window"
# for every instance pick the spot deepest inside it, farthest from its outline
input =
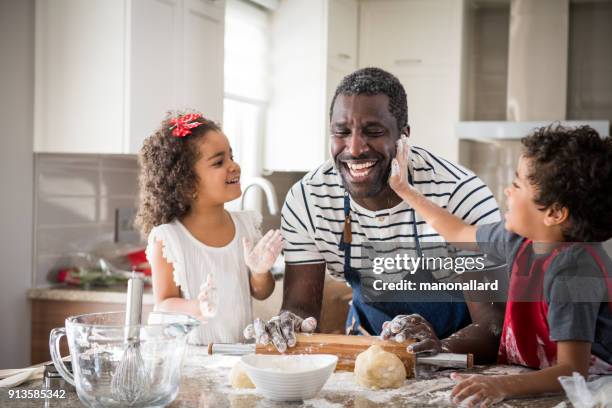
(246, 72)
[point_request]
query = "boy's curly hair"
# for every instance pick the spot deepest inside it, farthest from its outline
(572, 168)
(167, 178)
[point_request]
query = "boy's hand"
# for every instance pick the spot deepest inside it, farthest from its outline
(414, 326)
(398, 180)
(207, 298)
(280, 329)
(260, 258)
(477, 390)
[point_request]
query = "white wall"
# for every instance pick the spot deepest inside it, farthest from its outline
(16, 173)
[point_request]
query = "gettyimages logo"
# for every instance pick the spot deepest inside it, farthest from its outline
(445, 272)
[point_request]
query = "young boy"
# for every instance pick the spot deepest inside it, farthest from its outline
(558, 316)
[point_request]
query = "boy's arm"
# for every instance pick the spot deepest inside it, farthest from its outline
(452, 228)
(571, 356)
(260, 258)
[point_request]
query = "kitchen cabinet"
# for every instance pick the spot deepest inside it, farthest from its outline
(420, 42)
(107, 70)
(51, 307)
(314, 46)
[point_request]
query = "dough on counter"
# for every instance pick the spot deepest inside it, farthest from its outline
(239, 378)
(376, 368)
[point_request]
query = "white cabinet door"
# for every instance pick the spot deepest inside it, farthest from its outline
(410, 35)
(108, 70)
(79, 76)
(202, 75)
(342, 34)
(295, 136)
(156, 39)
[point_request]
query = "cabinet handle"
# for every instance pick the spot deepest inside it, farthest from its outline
(407, 61)
(344, 56)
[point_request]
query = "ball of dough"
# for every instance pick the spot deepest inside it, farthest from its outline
(376, 368)
(239, 378)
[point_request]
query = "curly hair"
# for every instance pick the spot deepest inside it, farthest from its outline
(572, 168)
(374, 81)
(168, 181)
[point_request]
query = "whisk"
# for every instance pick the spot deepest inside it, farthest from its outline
(131, 380)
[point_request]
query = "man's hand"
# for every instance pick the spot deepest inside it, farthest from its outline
(280, 330)
(260, 258)
(398, 180)
(414, 326)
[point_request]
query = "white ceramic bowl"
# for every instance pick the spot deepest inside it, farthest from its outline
(289, 377)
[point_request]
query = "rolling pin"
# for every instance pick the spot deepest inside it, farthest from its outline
(347, 348)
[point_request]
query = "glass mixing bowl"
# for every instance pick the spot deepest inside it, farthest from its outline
(97, 345)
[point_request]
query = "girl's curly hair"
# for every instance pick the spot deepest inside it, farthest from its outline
(167, 178)
(572, 168)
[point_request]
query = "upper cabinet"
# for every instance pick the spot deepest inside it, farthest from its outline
(108, 70)
(421, 42)
(314, 45)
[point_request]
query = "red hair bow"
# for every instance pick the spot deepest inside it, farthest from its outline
(182, 125)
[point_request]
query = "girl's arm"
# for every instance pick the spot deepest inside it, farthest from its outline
(260, 258)
(571, 356)
(165, 292)
(452, 228)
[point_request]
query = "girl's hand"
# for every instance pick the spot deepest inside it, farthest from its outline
(207, 298)
(260, 258)
(398, 180)
(477, 390)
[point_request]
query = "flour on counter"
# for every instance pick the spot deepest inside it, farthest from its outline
(321, 403)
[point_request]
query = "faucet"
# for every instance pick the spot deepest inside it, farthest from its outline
(268, 190)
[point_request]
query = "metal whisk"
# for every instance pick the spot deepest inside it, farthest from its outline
(131, 380)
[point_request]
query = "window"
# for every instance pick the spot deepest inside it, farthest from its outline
(246, 87)
(246, 75)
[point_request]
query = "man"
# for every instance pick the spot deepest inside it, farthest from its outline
(347, 201)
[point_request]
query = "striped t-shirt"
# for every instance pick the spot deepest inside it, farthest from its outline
(312, 218)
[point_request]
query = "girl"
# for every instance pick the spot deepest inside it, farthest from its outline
(558, 315)
(187, 174)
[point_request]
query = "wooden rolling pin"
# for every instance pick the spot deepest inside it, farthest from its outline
(347, 348)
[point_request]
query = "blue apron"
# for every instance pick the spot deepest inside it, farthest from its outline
(367, 318)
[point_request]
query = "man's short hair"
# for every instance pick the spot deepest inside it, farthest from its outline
(374, 81)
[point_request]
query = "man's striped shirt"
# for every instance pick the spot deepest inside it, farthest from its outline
(312, 218)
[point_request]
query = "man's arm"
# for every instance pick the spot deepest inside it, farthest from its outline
(481, 335)
(303, 289)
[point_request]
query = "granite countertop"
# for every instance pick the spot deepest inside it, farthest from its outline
(205, 385)
(112, 294)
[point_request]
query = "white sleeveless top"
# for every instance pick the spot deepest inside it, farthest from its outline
(193, 261)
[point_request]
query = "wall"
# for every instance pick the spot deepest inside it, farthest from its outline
(589, 94)
(75, 197)
(487, 55)
(16, 107)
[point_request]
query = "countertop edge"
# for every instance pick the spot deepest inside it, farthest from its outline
(79, 295)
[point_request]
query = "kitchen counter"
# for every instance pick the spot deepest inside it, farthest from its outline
(205, 385)
(112, 294)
